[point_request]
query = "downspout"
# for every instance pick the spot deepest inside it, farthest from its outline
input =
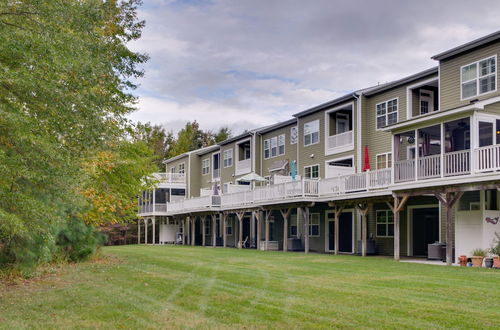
(260, 153)
(254, 139)
(358, 129)
(188, 177)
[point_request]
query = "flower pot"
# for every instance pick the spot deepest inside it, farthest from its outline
(488, 262)
(462, 260)
(496, 262)
(477, 261)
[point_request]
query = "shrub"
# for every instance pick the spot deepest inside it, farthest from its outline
(479, 253)
(78, 241)
(495, 249)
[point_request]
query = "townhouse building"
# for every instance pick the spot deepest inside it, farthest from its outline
(392, 169)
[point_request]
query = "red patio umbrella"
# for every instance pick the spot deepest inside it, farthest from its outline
(366, 167)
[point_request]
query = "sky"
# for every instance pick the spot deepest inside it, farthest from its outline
(250, 63)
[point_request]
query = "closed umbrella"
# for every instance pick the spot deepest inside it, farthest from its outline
(294, 169)
(366, 167)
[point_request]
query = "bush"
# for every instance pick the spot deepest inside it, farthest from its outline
(479, 253)
(78, 241)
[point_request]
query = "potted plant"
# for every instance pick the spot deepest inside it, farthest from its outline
(477, 257)
(495, 250)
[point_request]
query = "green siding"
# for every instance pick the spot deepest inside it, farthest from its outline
(290, 149)
(450, 76)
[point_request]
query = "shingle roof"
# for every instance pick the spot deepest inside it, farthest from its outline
(467, 46)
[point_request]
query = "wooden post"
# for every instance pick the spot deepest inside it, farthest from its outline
(306, 229)
(214, 227)
(396, 209)
(154, 231)
(363, 209)
(448, 200)
(203, 219)
(338, 211)
(240, 216)
(268, 214)
(146, 231)
(224, 232)
(285, 213)
(258, 218)
(139, 231)
(193, 225)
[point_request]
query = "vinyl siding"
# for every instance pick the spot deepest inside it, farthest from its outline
(493, 108)
(290, 149)
(450, 76)
(228, 174)
(318, 150)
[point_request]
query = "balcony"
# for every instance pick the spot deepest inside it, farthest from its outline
(340, 142)
(170, 178)
(243, 166)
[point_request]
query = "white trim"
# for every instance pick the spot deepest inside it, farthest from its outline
(327, 128)
(409, 101)
(310, 224)
(358, 133)
(478, 77)
(319, 133)
(268, 148)
(319, 171)
(386, 162)
(327, 230)
(212, 156)
(409, 224)
(386, 113)
(284, 144)
(387, 211)
(224, 157)
(203, 160)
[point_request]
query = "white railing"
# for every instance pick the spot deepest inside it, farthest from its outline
(216, 173)
(429, 167)
(195, 203)
(379, 178)
(150, 208)
(233, 188)
(404, 170)
(170, 177)
(457, 163)
(355, 182)
(160, 207)
(340, 140)
(243, 166)
(487, 158)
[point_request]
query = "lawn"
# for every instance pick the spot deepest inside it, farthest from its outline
(194, 287)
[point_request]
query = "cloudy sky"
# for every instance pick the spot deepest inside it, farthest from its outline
(249, 63)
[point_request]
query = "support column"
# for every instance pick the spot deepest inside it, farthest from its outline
(214, 229)
(363, 209)
(396, 209)
(306, 229)
(258, 219)
(285, 213)
(146, 231)
(268, 214)
(154, 230)
(337, 212)
(240, 216)
(224, 232)
(193, 225)
(138, 231)
(448, 200)
(203, 219)
(184, 231)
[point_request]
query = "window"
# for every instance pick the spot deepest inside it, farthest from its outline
(385, 223)
(293, 135)
(311, 172)
(281, 144)
(208, 228)
(387, 113)
(479, 78)
(274, 146)
(205, 166)
(384, 161)
(229, 227)
(314, 224)
(228, 158)
(311, 132)
(292, 232)
(266, 149)
(172, 169)
(182, 168)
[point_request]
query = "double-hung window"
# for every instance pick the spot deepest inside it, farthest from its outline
(292, 232)
(385, 223)
(229, 227)
(281, 144)
(274, 146)
(311, 172)
(384, 161)
(267, 151)
(311, 132)
(314, 225)
(228, 158)
(182, 168)
(387, 113)
(172, 169)
(479, 77)
(205, 166)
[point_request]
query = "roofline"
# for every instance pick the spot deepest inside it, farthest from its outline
(325, 105)
(397, 83)
(277, 125)
(236, 138)
(467, 46)
(169, 160)
(205, 150)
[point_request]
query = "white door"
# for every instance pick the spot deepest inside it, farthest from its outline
(426, 101)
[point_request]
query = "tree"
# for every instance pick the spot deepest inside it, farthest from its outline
(155, 137)
(65, 88)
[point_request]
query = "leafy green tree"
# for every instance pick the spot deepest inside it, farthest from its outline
(155, 137)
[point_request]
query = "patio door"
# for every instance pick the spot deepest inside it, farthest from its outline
(346, 220)
(485, 132)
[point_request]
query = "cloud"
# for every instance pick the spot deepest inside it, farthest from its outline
(248, 63)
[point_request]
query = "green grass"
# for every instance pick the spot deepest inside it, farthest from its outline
(193, 287)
